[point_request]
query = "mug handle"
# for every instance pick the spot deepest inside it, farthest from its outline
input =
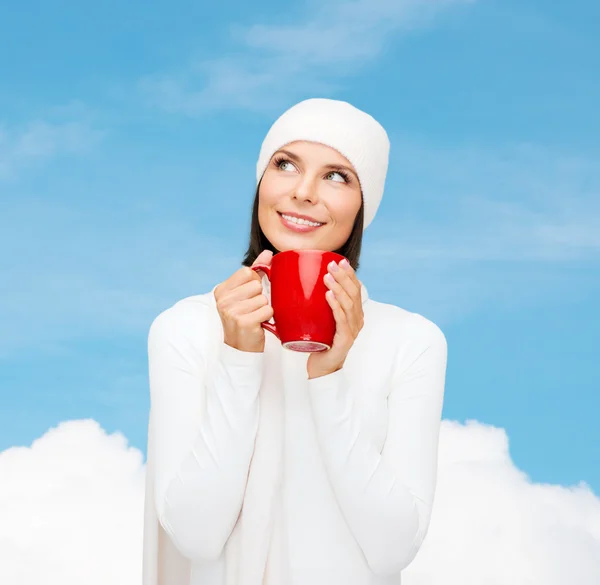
(272, 327)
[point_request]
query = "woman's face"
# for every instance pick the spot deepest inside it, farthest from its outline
(308, 182)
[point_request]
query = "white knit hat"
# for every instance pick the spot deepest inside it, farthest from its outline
(352, 132)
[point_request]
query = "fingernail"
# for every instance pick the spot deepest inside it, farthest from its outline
(329, 279)
(333, 266)
(344, 263)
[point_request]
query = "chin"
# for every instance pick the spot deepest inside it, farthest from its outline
(284, 242)
(299, 244)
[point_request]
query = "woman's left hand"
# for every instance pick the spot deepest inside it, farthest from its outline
(344, 298)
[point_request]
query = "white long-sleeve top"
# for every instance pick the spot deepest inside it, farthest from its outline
(352, 491)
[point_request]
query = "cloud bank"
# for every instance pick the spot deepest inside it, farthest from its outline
(72, 507)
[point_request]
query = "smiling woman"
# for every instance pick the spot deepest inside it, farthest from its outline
(324, 190)
(271, 467)
(326, 208)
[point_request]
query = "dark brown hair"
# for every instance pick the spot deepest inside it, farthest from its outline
(259, 242)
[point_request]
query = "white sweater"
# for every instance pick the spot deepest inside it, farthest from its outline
(334, 477)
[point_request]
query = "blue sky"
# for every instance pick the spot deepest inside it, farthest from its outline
(128, 139)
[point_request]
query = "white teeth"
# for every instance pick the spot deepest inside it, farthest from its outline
(300, 221)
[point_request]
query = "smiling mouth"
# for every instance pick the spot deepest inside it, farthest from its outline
(300, 221)
(298, 225)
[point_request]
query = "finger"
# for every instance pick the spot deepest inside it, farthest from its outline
(345, 278)
(341, 320)
(341, 295)
(248, 306)
(243, 275)
(352, 309)
(248, 273)
(247, 290)
(260, 315)
(264, 257)
(347, 268)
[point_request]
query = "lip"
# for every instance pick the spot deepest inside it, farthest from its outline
(295, 227)
(299, 216)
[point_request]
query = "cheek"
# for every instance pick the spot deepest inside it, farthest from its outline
(345, 211)
(267, 200)
(263, 213)
(268, 191)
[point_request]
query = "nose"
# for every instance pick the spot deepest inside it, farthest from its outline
(306, 190)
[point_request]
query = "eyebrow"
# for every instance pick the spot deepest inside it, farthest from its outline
(296, 158)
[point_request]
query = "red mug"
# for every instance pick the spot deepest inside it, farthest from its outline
(303, 319)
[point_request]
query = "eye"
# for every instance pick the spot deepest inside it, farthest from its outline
(283, 164)
(340, 175)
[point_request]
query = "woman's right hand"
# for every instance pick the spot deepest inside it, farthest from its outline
(243, 307)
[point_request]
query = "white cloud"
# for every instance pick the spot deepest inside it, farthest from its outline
(39, 140)
(274, 63)
(72, 509)
(491, 524)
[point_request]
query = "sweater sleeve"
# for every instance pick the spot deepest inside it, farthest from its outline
(204, 419)
(386, 497)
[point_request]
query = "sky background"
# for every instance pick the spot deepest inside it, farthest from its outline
(128, 141)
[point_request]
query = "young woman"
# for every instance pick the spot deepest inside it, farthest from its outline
(273, 467)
